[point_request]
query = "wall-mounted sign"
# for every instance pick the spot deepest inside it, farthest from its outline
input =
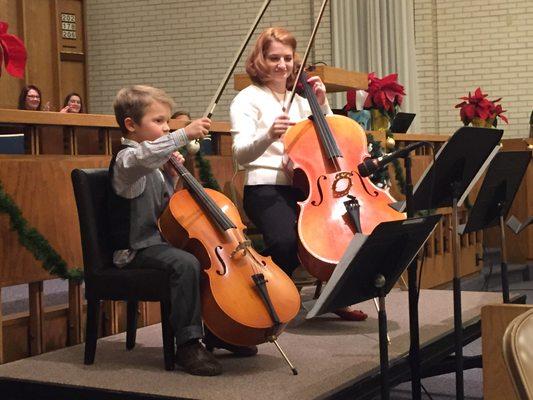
(68, 26)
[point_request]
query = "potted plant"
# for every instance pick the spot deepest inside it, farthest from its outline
(479, 111)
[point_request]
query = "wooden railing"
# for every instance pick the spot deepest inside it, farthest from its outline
(39, 182)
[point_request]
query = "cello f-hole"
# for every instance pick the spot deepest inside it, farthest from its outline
(320, 192)
(375, 194)
(218, 249)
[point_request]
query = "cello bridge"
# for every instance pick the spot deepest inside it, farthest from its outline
(241, 247)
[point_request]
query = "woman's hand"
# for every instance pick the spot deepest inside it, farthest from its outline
(169, 169)
(319, 88)
(280, 126)
(65, 109)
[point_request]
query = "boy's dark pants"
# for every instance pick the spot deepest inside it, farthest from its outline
(184, 268)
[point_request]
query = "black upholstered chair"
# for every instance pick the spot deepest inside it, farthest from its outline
(103, 281)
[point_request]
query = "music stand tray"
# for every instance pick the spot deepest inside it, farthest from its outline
(370, 268)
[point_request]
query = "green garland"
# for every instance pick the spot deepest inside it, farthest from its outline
(32, 240)
(206, 176)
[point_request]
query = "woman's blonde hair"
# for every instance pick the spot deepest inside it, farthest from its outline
(256, 66)
(133, 101)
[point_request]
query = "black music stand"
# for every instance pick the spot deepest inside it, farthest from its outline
(458, 165)
(401, 122)
(370, 268)
(504, 175)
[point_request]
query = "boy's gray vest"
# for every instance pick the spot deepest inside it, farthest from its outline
(133, 222)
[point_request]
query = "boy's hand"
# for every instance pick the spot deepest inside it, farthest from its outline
(198, 128)
(169, 169)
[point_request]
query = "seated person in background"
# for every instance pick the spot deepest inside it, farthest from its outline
(181, 116)
(30, 99)
(143, 182)
(72, 104)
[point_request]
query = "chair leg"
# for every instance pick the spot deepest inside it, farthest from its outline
(91, 330)
(131, 329)
(168, 336)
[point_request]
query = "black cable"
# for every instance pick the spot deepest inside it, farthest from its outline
(427, 393)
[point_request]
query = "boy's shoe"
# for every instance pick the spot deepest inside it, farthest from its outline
(211, 342)
(196, 360)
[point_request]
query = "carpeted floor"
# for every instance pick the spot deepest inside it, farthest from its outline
(328, 353)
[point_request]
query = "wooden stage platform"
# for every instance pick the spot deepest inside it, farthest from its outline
(335, 359)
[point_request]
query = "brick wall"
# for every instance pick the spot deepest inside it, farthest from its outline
(185, 47)
(462, 45)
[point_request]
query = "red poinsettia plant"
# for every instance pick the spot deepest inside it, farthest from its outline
(478, 108)
(12, 52)
(385, 94)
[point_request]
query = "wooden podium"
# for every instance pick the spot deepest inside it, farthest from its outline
(335, 79)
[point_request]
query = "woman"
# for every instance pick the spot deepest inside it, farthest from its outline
(258, 123)
(72, 104)
(30, 98)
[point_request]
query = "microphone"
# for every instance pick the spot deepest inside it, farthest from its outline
(371, 165)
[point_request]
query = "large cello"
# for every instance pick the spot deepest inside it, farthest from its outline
(325, 151)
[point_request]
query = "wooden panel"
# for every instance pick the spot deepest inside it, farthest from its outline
(52, 140)
(9, 12)
(39, 35)
(497, 383)
(36, 318)
(73, 80)
(16, 332)
(335, 79)
(1, 331)
(89, 120)
(43, 191)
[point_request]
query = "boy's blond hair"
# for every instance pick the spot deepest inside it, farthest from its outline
(132, 102)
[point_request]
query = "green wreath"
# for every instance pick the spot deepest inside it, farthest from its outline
(32, 240)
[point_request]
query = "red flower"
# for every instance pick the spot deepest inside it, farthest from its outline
(12, 52)
(385, 94)
(479, 106)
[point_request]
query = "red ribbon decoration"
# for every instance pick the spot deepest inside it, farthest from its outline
(12, 52)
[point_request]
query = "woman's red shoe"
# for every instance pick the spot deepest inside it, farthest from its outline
(351, 315)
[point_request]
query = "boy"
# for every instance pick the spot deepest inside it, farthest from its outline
(143, 182)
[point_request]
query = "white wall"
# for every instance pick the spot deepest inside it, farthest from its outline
(185, 47)
(465, 44)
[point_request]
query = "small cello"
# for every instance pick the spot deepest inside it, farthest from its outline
(246, 298)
